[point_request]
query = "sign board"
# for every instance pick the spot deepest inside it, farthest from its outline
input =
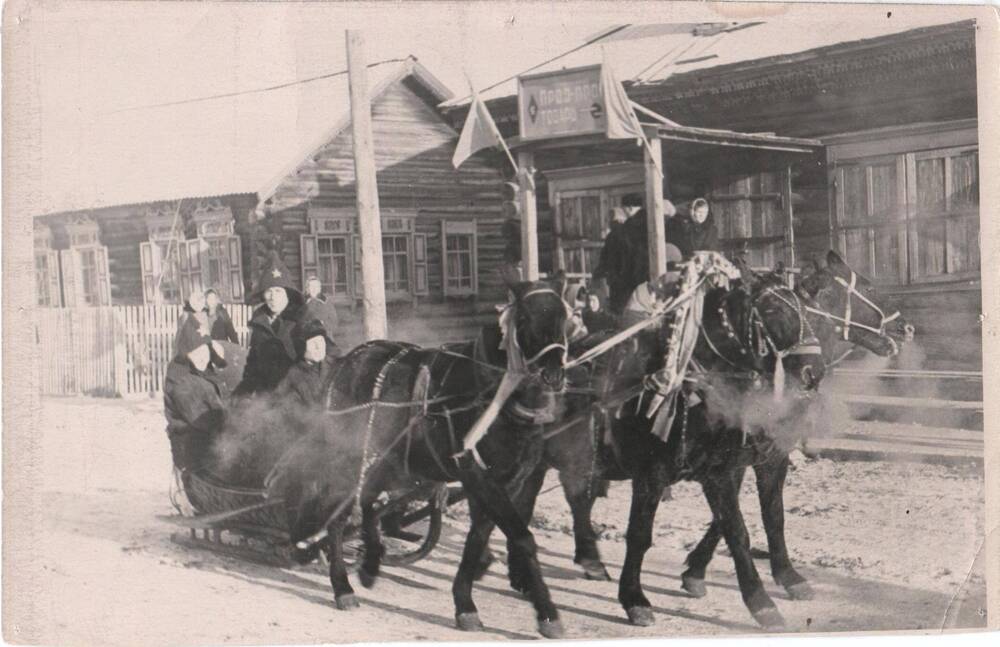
(561, 103)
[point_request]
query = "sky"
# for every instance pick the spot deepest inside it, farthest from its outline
(87, 66)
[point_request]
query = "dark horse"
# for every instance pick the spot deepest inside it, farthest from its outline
(582, 461)
(743, 331)
(843, 310)
(417, 406)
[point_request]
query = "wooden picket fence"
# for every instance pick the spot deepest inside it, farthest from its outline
(111, 351)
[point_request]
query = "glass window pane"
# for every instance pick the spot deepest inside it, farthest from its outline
(930, 186)
(854, 193)
(965, 180)
(887, 252)
(884, 191)
(930, 243)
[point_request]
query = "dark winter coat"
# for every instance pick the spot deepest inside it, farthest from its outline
(690, 236)
(613, 266)
(323, 310)
(305, 383)
(192, 404)
(221, 326)
(271, 353)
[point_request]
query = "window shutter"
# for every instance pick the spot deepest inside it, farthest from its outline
(356, 258)
(55, 299)
(68, 268)
(309, 257)
(420, 283)
(192, 249)
(103, 276)
(235, 268)
(148, 256)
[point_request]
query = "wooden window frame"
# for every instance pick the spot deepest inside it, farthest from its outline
(907, 217)
(454, 229)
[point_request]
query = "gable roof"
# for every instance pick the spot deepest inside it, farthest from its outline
(409, 67)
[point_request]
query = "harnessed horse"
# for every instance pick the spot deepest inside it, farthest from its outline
(829, 291)
(417, 418)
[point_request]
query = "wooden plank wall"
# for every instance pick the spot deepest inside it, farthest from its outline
(413, 151)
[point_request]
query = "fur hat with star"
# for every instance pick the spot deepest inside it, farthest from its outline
(274, 274)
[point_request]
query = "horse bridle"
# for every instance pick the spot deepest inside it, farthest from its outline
(846, 321)
(805, 345)
(563, 345)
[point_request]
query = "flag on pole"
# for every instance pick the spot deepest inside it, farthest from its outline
(622, 122)
(478, 132)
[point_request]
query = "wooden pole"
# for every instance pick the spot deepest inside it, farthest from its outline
(655, 226)
(786, 199)
(529, 217)
(369, 223)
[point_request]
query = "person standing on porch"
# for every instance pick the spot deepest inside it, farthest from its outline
(694, 230)
(272, 348)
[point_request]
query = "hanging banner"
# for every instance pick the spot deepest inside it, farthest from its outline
(561, 103)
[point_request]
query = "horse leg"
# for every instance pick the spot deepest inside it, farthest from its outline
(770, 489)
(693, 578)
(580, 496)
(723, 497)
(524, 501)
(371, 535)
(342, 591)
(646, 491)
(499, 507)
(486, 557)
(480, 528)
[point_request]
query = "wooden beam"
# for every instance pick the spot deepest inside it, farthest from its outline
(655, 225)
(366, 198)
(786, 203)
(529, 216)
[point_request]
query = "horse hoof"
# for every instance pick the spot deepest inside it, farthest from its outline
(595, 570)
(551, 628)
(469, 621)
(769, 618)
(347, 602)
(693, 585)
(367, 579)
(800, 591)
(641, 616)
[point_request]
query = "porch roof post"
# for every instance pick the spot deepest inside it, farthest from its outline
(655, 225)
(529, 216)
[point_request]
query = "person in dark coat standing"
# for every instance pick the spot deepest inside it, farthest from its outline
(272, 349)
(694, 231)
(304, 385)
(614, 256)
(193, 316)
(319, 307)
(220, 324)
(192, 403)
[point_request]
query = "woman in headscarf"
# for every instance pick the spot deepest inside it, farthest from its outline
(319, 307)
(220, 324)
(694, 231)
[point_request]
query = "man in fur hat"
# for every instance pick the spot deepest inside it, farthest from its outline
(272, 348)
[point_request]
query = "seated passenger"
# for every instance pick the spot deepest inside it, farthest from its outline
(648, 296)
(192, 402)
(305, 382)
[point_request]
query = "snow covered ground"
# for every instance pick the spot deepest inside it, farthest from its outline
(886, 546)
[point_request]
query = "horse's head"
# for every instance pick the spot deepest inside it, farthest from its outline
(539, 320)
(760, 323)
(845, 300)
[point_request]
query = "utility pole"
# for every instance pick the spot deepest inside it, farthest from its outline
(369, 223)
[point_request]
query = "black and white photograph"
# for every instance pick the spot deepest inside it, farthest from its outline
(366, 322)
